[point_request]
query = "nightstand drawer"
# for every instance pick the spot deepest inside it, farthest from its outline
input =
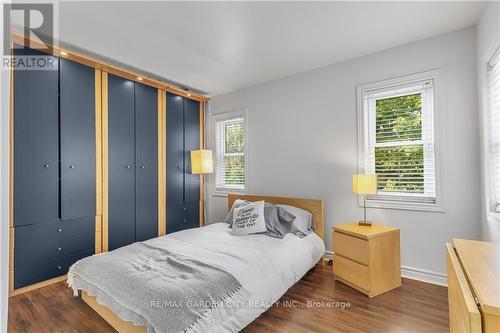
(352, 272)
(350, 247)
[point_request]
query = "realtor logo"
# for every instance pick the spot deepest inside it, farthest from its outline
(36, 21)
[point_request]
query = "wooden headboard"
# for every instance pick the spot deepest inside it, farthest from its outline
(315, 207)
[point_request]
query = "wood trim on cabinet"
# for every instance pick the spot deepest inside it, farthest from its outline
(36, 285)
(98, 142)
(106, 67)
(104, 131)
(11, 174)
(98, 159)
(11, 142)
(161, 163)
(12, 231)
(202, 177)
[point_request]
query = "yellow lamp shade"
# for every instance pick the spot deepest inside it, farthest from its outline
(201, 161)
(364, 184)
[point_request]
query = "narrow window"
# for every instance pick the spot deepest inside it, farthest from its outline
(230, 153)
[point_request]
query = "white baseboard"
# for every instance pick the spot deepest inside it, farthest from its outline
(415, 274)
(424, 275)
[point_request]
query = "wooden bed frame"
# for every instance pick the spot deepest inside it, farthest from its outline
(315, 207)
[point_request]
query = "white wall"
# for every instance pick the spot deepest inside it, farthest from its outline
(488, 39)
(4, 189)
(302, 136)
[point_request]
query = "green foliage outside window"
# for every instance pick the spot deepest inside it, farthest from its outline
(400, 168)
(234, 161)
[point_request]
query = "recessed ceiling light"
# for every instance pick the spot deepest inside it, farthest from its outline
(139, 78)
(64, 53)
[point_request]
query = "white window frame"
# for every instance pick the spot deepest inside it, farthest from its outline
(491, 216)
(223, 191)
(399, 201)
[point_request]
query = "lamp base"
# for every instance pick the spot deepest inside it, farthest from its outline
(365, 223)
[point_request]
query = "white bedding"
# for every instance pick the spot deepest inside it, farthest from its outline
(266, 267)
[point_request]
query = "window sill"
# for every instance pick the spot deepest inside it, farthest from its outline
(402, 205)
(493, 217)
(223, 193)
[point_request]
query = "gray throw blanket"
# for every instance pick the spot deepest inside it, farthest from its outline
(156, 288)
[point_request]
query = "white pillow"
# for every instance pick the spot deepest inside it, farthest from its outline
(303, 223)
(249, 219)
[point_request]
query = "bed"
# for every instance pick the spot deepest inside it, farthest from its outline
(264, 277)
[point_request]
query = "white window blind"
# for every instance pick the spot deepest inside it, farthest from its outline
(230, 153)
(399, 142)
(494, 144)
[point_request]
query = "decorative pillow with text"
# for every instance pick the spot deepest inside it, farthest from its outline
(249, 219)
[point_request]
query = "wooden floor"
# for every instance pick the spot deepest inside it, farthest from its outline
(414, 307)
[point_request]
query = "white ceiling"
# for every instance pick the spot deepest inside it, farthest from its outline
(225, 46)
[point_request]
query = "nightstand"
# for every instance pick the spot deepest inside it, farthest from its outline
(367, 258)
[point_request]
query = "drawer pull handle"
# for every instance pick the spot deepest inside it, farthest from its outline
(184, 220)
(128, 166)
(59, 230)
(59, 249)
(72, 166)
(46, 166)
(59, 267)
(184, 208)
(142, 166)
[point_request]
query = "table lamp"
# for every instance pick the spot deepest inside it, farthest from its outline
(364, 184)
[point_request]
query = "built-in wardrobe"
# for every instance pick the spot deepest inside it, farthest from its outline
(100, 158)
(133, 162)
(53, 167)
(183, 188)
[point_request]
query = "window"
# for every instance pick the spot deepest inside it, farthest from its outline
(493, 162)
(230, 152)
(398, 142)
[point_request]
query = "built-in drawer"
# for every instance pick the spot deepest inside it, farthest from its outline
(50, 241)
(45, 270)
(351, 247)
(183, 216)
(351, 271)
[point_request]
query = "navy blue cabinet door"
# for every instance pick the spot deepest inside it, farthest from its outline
(77, 113)
(175, 149)
(36, 144)
(191, 142)
(121, 162)
(146, 154)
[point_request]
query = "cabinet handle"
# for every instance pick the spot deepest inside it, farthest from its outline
(59, 267)
(128, 166)
(142, 167)
(184, 208)
(184, 220)
(178, 167)
(59, 230)
(71, 166)
(46, 166)
(59, 249)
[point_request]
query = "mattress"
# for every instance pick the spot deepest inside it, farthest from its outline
(266, 267)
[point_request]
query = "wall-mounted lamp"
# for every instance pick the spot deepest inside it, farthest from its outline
(201, 161)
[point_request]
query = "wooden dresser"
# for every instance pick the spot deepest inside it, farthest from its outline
(473, 286)
(367, 258)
